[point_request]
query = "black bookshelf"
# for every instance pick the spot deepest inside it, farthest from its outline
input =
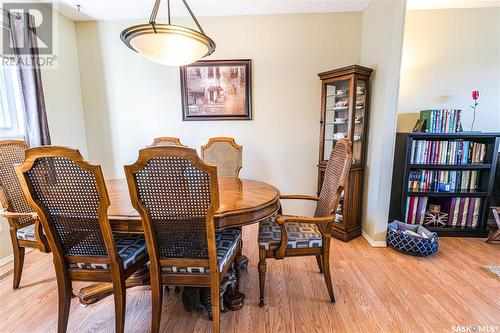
(486, 171)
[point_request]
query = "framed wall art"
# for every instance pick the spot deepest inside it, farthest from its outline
(217, 90)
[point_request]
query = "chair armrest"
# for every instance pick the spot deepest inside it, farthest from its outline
(11, 215)
(282, 219)
(298, 197)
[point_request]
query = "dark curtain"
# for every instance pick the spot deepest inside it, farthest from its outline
(24, 40)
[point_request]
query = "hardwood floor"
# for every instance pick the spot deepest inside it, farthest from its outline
(377, 290)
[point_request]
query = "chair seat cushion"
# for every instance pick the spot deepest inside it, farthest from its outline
(27, 233)
(130, 248)
(300, 235)
(226, 242)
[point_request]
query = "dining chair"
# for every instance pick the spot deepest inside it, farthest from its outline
(70, 197)
(224, 153)
(167, 141)
(177, 195)
(25, 228)
(291, 236)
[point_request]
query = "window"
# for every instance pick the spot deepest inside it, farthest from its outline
(12, 121)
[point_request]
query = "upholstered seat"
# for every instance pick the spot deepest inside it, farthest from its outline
(130, 248)
(27, 233)
(226, 244)
(300, 235)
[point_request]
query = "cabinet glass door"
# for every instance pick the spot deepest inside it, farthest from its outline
(336, 124)
(359, 122)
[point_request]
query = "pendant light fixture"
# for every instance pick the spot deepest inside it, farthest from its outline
(168, 44)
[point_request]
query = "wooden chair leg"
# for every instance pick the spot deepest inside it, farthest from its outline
(320, 264)
(18, 253)
(493, 236)
(215, 295)
(64, 292)
(262, 275)
(157, 301)
(120, 295)
(326, 269)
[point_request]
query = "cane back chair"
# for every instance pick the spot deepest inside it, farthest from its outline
(224, 153)
(288, 236)
(25, 228)
(177, 195)
(71, 200)
(167, 141)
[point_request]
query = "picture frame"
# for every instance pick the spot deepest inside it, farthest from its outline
(217, 90)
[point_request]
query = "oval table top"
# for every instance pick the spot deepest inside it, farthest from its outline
(242, 202)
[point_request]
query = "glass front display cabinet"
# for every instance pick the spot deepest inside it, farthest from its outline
(344, 114)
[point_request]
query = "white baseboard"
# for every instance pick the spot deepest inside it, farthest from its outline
(372, 242)
(10, 258)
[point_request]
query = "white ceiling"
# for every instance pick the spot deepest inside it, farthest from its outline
(443, 4)
(141, 9)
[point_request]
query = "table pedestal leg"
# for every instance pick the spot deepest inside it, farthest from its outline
(198, 299)
(98, 291)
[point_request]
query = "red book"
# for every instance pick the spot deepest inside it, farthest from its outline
(409, 219)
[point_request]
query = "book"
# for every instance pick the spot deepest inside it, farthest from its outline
(466, 210)
(470, 212)
(441, 121)
(426, 115)
(451, 211)
(414, 211)
(456, 211)
(418, 210)
(475, 215)
(423, 209)
(460, 212)
(409, 215)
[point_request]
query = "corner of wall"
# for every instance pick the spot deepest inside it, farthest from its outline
(382, 38)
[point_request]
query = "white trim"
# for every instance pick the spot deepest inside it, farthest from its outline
(10, 258)
(372, 242)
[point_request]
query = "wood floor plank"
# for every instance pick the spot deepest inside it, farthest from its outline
(377, 290)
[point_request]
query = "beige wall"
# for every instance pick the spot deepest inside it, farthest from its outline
(447, 53)
(63, 98)
(129, 100)
(381, 49)
(64, 104)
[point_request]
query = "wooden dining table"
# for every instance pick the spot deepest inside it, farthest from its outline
(242, 202)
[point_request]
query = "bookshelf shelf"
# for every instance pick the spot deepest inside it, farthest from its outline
(476, 194)
(478, 166)
(409, 202)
